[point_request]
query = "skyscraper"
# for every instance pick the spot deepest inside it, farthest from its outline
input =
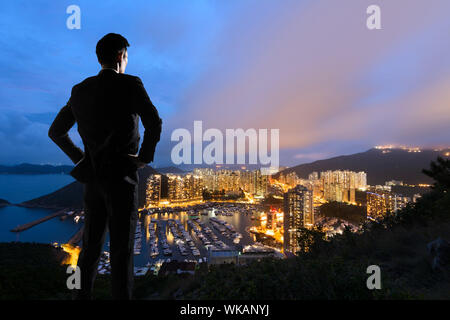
(298, 213)
(153, 192)
(341, 185)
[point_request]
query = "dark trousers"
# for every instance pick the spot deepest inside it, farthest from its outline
(113, 205)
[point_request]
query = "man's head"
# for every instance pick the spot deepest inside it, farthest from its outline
(112, 52)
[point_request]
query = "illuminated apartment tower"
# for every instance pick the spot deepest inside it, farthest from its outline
(175, 188)
(184, 188)
(341, 186)
(379, 202)
(228, 180)
(208, 176)
(192, 187)
(246, 181)
(153, 192)
(298, 213)
(261, 183)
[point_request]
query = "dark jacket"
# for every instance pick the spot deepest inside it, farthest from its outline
(106, 109)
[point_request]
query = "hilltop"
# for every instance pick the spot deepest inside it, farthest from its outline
(28, 168)
(174, 170)
(381, 165)
(4, 202)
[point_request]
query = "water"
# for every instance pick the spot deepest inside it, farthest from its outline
(19, 188)
(239, 220)
(53, 230)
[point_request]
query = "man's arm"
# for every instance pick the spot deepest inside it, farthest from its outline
(151, 122)
(58, 132)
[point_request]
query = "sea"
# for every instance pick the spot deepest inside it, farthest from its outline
(17, 188)
(20, 188)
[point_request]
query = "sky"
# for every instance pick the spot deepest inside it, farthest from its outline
(310, 68)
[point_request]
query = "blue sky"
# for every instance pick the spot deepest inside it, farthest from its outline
(310, 68)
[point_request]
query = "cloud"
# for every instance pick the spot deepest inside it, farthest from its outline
(308, 69)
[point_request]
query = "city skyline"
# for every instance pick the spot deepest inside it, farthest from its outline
(335, 87)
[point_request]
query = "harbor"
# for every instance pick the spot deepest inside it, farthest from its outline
(187, 236)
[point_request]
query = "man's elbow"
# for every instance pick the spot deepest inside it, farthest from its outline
(53, 135)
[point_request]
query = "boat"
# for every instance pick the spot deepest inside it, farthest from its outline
(142, 271)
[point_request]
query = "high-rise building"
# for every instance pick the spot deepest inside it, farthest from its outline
(298, 213)
(153, 191)
(192, 187)
(234, 180)
(184, 187)
(174, 187)
(208, 177)
(380, 201)
(261, 183)
(341, 185)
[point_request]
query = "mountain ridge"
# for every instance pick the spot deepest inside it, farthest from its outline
(29, 168)
(381, 165)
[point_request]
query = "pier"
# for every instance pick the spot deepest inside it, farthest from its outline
(29, 225)
(77, 237)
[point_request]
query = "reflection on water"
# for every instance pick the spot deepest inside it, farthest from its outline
(241, 222)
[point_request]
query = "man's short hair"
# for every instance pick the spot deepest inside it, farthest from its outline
(109, 46)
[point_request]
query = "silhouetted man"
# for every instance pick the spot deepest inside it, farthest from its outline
(106, 108)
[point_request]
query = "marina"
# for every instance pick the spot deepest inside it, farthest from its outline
(164, 236)
(187, 235)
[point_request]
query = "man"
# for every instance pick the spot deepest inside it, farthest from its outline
(106, 108)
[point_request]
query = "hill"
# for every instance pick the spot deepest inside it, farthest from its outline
(380, 165)
(27, 168)
(71, 195)
(173, 170)
(4, 203)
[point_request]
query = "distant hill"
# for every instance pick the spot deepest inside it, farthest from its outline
(71, 195)
(392, 164)
(4, 203)
(27, 168)
(173, 170)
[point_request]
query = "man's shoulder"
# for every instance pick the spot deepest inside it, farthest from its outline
(130, 78)
(122, 77)
(85, 82)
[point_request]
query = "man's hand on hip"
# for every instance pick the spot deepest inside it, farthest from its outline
(139, 164)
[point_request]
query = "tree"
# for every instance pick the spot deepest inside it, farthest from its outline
(440, 172)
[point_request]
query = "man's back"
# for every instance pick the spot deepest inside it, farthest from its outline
(106, 108)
